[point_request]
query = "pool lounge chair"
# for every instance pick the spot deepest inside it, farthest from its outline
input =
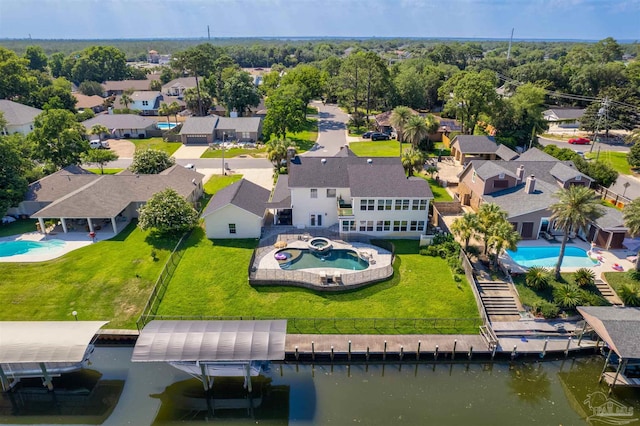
(547, 236)
(337, 277)
(323, 277)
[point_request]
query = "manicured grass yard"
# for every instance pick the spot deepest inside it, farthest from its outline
(617, 160)
(306, 138)
(378, 148)
(109, 280)
(439, 193)
(617, 279)
(18, 227)
(233, 152)
(211, 280)
(156, 143)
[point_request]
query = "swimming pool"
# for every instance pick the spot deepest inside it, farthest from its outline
(336, 258)
(166, 126)
(574, 257)
(13, 248)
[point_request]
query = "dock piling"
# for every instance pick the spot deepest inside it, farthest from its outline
(418, 351)
(367, 355)
(514, 351)
(566, 351)
(401, 352)
(349, 352)
(435, 354)
(494, 348)
(453, 351)
(470, 352)
(313, 351)
(384, 352)
(544, 348)
(297, 354)
(331, 353)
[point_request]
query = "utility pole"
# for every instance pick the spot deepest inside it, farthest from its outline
(208, 34)
(510, 41)
(602, 122)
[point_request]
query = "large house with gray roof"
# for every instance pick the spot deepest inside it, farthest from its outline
(207, 130)
(352, 194)
(124, 125)
(525, 189)
(19, 117)
(77, 198)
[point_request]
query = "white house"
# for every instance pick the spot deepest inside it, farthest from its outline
(123, 125)
(19, 117)
(363, 195)
(236, 211)
(147, 102)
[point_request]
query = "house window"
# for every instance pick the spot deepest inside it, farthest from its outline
(403, 225)
(396, 225)
(232, 228)
(501, 183)
(379, 225)
(405, 204)
(366, 226)
(367, 205)
(421, 225)
(348, 225)
(145, 103)
(414, 225)
(501, 176)
(314, 193)
(385, 204)
(331, 193)
(398, 205)
(246, 135)
(419, 205)
(473, 177)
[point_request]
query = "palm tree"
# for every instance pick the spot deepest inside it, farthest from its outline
(503, 237)
(537, 278)
(577, 206)
(399, 118)
(175, 108)
(488, 215)
(630, 294)
(98, 129)
(165, 110)
(631, 215)
(415, 130)
(412, 161)
(465, 227)
(432, 126)
(277, 151)
(568, 296)
(125, 99)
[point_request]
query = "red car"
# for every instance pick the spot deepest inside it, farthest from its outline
(579, 141)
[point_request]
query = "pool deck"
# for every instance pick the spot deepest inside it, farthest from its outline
(609, 257)
(73, 240)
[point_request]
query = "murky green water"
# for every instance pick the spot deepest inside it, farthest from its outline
(550, 393)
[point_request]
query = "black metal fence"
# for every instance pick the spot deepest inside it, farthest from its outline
(355, 325)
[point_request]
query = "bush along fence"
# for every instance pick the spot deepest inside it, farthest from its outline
(355, 325)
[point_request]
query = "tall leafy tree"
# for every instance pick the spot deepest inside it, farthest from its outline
(411, 88)
(198, 101)
(239, 93)
(309, 79)
(489, 214)
(96, 63)
(198, 61)
(577, 206)
(468, 94)
(151, 161)
(15, 80)
(13, 184)
(90, 88)
(36, 57)
(99, 157)
(167, 212)
(277, 151)
(285, 111)
(58, 138)
(99, 130)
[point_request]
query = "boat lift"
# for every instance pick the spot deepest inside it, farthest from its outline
(209, 349)
(44, 349)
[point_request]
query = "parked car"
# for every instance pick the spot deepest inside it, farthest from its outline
(376, 136)
(98, 144)
(367, 135)
(579, 141)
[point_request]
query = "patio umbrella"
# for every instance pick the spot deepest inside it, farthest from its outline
(632, 244)
(280, 244)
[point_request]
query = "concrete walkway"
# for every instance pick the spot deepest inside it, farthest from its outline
(188, 152)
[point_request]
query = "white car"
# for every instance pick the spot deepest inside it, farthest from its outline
(8, 219)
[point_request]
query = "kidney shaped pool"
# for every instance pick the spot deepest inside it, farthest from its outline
(574, 257)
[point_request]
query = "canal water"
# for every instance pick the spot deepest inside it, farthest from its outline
(116, 392)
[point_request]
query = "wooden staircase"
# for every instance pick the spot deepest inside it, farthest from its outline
(498, 300)
(607, 292)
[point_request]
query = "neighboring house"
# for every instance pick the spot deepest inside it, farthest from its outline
(469, 147)
(524, 188)
(19, 117)
(383, 121)
(95, 103)
(77, 198)
(112, 88)
(206, 130)
(153, 57)
(236, 211)
(353, 194)
(176, 87)
(124, 125)
(564, 117)
(146, 102)
(608, 231)
(622, 191)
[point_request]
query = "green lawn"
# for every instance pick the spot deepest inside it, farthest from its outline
(105, 171)
(439, 193)
(211, 280)
(109, 280)
(20, 226)
(617, 160)
(233, 152)
(378, 148)
(306, 138)
(156, 143)
(617, 279)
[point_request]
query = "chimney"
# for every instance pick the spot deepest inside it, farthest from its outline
(520, 173)
(530, 186)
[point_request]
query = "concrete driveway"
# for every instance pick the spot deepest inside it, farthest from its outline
(189, 152)
(332, 130)
(122, 147)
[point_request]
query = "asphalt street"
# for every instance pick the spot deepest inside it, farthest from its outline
(583, 148)
(332, 131)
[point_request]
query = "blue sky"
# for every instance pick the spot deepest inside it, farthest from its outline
(532, 19)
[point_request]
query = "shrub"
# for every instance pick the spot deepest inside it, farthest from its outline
(634, 274)
(630, 294)
(592, 299)
(473, 251)
(584, 277)
(537, 278)
(568, 296)
(546, 309)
